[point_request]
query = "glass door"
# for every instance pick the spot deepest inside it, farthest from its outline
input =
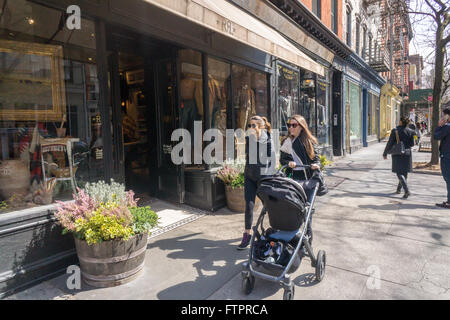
(170, 176)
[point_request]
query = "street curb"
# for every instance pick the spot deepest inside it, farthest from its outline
(427, 172)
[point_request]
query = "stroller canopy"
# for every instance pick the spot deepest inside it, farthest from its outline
(285, 201)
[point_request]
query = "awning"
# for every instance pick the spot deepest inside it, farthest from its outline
(227, 19)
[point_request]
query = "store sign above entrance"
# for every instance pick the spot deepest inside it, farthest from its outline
(225, 18)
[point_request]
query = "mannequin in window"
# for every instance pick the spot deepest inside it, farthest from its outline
(215, 97)
(189, 110)
(246, 107)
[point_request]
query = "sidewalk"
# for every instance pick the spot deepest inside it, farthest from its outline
(365, 228)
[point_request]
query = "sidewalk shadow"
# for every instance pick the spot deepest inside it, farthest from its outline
(217, 262)
(211, 275)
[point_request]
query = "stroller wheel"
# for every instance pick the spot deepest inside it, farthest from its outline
(289, 293)
(248, 283)
(320, 266)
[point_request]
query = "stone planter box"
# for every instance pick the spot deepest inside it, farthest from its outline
(111, 263)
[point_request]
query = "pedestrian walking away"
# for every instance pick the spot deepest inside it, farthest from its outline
(300, 148)
(442, 133)
(401, 161)
(257, 165)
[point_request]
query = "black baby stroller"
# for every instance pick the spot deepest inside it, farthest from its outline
(282, 246)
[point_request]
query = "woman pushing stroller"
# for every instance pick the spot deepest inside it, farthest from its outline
(288, 203)
(257, 165)
(300, 148)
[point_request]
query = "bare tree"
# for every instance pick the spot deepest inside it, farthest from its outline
(437, 13)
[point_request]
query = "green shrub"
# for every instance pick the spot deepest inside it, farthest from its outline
(144, 219)
(324, 162)
(100, 227)
(238, 182)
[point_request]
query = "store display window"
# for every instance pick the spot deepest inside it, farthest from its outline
(191, 108)
(355, 111)
(250, 97)
(219, 94)
(308, 99)
(288, 86)
(50, 125)
(323, 124)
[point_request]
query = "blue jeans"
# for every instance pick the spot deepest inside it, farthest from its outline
(445, 167)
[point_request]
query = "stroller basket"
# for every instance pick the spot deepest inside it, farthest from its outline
(285, 202)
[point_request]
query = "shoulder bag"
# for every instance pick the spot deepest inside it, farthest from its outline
(398, 149)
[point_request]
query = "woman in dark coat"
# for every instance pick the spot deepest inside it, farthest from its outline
(257, 165)
(300, 147)
(401, 164)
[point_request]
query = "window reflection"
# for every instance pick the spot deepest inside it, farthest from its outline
(323, 125)
(288, 85)
(191, 108)
(50, 126)
(308, 99)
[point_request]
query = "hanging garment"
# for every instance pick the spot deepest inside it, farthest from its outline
(189, 114)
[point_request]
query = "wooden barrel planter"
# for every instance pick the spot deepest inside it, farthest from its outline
(236, 199)
(111, 263)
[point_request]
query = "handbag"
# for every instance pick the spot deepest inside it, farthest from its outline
(398, 149)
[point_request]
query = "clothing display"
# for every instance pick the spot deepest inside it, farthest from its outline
(246, 106)
(216, 99)
(189, 114)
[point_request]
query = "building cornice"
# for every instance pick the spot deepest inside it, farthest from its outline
(306, 19)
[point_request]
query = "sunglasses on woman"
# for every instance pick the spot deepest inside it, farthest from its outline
(292, 125)
(251, 125)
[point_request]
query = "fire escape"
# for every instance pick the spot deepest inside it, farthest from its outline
(401, 33)
(390, 58)
(377, 54)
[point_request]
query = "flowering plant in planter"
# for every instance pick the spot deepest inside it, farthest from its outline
(103, 212)
(232, 174)
(110, 231)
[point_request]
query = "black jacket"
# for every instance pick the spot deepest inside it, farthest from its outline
(401, 163)
(299, 148)
(443, 134)
(259, 164)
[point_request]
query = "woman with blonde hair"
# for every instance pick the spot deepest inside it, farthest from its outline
(257, 166)
(300, 148)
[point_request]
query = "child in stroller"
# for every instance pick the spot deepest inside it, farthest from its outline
(282, 246)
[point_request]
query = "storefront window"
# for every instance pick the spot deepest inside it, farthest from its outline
(191, 108)
(373, 114)
(50, 125)
(376, 115)
(355, 111)
(323, 125)
(288, 86)
(308, 99)
(250, 97)
(219, 95)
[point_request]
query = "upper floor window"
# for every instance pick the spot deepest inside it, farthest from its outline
(357, 43)
(349, 26)
(316, 7)
(334, 16)
(364, 46)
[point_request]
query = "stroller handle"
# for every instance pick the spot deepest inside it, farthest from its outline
(302, 166)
